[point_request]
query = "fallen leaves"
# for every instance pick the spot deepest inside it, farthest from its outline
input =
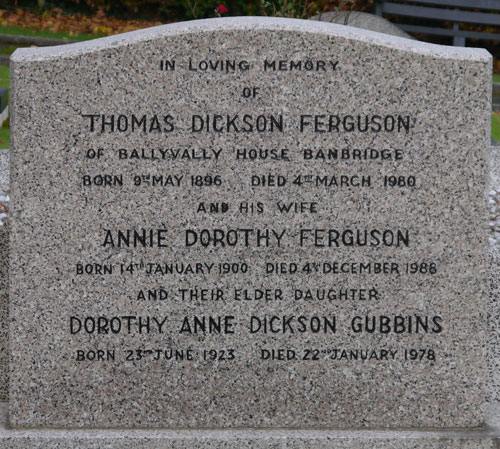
(55, 21)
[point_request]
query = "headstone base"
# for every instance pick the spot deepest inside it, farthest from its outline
(485, 438)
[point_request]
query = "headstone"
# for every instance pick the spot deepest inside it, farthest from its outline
(249, 223)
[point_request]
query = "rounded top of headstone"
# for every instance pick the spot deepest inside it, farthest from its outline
(246, 24)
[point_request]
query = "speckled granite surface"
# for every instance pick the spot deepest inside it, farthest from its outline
(4, 280)
(493, 308)
(58, 221)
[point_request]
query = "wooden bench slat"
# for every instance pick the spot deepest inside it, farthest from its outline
(479, 4)
(449, 32)
(441, 14)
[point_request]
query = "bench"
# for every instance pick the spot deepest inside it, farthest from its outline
(449, 11)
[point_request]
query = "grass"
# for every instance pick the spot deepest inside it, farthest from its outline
(7, 49)
(4, 137)
(4, 76)
(495, 126)
(21, 31)
(496, 78)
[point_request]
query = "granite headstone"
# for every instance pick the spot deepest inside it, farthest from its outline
(248, 223)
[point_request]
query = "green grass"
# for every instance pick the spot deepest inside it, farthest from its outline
(496, 78)
(21, 31)
(4, 137)
(7, 50)
(4, 76)
(495, 126)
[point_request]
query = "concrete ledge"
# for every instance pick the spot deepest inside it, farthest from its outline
(4, 170)
(12, 39)
(486, 438)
